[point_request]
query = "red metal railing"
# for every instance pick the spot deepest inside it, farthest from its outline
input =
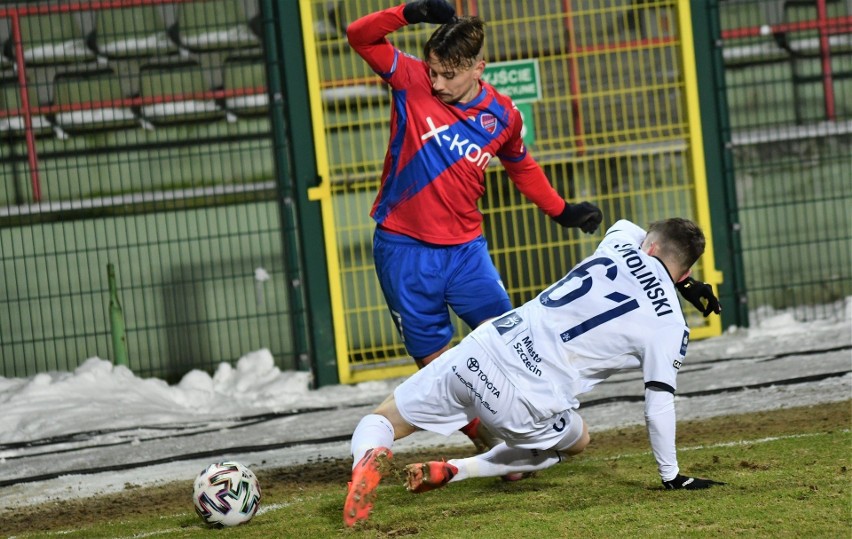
(25, 103)
(824, 25)
(835, 25)
(27, 111)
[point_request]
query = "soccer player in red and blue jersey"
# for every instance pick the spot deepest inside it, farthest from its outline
(446, 126)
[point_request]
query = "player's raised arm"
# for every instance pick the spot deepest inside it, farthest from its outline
(366, 35)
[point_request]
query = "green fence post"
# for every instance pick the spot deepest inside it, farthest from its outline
(721, 186)
(297, 172)
(116, 320)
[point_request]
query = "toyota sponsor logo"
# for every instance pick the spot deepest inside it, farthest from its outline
(472, 364)
(474, 391)
(487, 385)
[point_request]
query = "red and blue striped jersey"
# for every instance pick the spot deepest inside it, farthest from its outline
(434, 169)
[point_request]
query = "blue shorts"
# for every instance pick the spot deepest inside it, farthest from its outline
(421, 280)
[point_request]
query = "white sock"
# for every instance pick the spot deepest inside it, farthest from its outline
(502, 459)
(372, 431)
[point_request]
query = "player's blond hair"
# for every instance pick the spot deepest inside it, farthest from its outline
(457, 44)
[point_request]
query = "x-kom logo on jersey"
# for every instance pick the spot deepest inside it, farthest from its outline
(456, 144)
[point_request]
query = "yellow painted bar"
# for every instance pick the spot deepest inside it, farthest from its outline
(699, 170)
(382, 373)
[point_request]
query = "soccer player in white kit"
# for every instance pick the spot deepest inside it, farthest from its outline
(521, 373)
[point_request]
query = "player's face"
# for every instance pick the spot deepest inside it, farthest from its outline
(458, 85)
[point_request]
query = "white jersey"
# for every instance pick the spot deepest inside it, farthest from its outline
(617, 309)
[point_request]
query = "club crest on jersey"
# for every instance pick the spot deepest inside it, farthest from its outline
(506, 323)
(488, 122)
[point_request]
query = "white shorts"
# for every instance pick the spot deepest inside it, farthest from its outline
(463, 383)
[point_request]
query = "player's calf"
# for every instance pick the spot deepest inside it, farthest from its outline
(484, 440)
(479, 434)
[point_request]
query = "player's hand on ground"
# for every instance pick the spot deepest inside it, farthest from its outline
(431, 11)
(697, 292)
(585, 216)
(689, 483)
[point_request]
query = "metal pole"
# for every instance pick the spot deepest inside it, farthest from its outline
(116, 321)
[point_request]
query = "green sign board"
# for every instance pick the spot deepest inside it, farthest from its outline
(529, 125)
(520, 80)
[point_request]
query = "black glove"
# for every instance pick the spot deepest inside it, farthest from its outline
(585, 216)
(694, 291)
(689, 483)
(431, 11)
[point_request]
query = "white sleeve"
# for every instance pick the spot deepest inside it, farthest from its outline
(665, 351)
(660, 420)
(625, 229)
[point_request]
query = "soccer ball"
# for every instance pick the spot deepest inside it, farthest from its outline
(226, 494)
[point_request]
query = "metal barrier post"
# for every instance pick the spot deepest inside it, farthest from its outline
(116, 321)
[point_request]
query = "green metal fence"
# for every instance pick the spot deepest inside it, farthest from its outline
(147, 144)
(777, 109)
(784, 88)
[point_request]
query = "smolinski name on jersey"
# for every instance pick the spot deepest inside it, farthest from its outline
(653, 289)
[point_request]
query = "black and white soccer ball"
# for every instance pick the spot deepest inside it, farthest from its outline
(226, 494)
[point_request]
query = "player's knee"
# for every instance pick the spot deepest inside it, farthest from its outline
(580, 445)
(576, 439)
(389, 411)
(386, 406)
